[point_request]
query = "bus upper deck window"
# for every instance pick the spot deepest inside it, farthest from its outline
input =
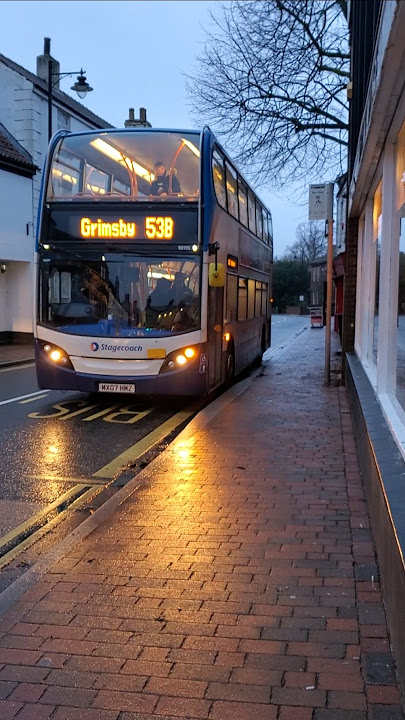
(231, 190)
(251, 212)
(218, 174)
(259, 221)
(242, 199)
(265, 226)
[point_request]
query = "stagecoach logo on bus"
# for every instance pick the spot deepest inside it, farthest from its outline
(116, 348)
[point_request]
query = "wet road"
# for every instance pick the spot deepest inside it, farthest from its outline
(53, 439)
(63, 446)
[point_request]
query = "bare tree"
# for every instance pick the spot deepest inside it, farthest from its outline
(310, 243)
(271, 82)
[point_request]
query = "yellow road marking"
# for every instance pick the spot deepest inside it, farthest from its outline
(107, 472)
(141, 447)
(39, 515)
(12, 554)
(38, 397)
(60, 479)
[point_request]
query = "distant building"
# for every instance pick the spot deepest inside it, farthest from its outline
(24, 118)
(318, 282)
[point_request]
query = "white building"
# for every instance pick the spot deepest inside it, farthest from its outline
(24, 115)
(16, 246)
(374, 301)
(377, 204)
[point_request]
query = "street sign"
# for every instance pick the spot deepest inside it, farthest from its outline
(320, 201)
(317, 202)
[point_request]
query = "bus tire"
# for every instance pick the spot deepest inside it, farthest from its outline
(229, 367)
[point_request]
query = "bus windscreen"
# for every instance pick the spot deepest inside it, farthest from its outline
(118, 295)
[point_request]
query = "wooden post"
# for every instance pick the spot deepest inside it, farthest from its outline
(329, 281)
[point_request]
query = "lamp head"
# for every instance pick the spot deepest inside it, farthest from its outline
(81, 86)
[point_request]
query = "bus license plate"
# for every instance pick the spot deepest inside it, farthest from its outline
(116, 388)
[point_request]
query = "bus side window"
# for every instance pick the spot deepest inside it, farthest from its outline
(251, 299)
(218, 174)
(270, 226)
(258, 299)
(242, 298)
(251, 212)
(231, 191)
(265, 291)
(242, 198)
(231, 297)
(259, 221)
(265, 227)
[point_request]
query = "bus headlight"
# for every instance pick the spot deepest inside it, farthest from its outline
(55, 354)
(179, 358)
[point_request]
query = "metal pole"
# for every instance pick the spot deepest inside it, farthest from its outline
(49, 99)
(329, 284)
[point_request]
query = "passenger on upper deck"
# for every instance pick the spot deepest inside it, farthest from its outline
(160, 186)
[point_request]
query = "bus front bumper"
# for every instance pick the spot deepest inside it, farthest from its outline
(183, 381)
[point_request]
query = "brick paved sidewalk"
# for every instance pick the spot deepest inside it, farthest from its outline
(238, 583)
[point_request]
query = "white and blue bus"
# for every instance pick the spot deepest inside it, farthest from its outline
(153, 262)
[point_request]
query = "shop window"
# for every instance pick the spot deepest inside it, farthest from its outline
(400, 379)
(377, 218)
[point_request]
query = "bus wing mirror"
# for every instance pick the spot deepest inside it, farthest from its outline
(216, 275)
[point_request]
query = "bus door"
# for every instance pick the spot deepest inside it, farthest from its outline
(215, 331)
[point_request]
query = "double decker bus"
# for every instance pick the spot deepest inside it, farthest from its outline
(153, 264)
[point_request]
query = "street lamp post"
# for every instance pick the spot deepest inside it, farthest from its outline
(81, 86)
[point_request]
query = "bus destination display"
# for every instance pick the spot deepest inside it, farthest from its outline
(178, 226)
(154, 228)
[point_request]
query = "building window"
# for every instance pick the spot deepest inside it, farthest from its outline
(377, 218)
(400, 208)
(400, 380)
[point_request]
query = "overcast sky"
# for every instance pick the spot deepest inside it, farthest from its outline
(135, 54)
